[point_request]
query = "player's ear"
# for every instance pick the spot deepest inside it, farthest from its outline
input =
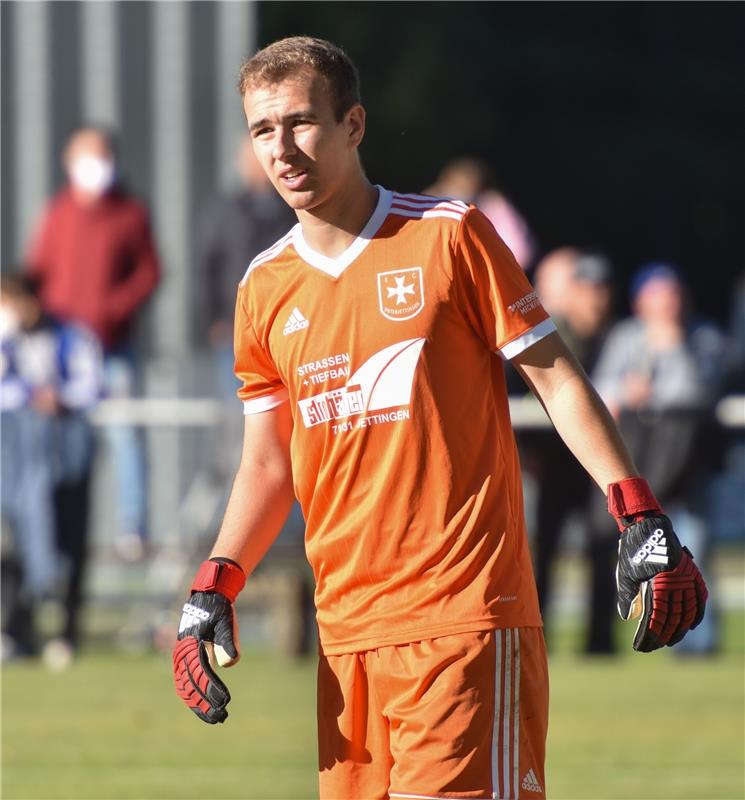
(356, 124)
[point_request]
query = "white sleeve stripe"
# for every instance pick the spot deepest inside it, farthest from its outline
(430, 198)
(265, 402)
(516, 346)
(426, 213)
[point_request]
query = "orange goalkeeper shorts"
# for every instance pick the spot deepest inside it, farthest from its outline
(457, 716)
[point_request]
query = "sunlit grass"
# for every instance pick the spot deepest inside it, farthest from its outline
(639, 726)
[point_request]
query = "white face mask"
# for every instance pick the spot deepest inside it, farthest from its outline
(92, 174)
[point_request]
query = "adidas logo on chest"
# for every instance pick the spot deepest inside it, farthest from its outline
(295, 322)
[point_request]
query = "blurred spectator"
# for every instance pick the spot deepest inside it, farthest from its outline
(52, 373)
(95, 260)
(473, 181)
(575, 288)
(554, 278)
(735, 377)
(727, 499)
(235, 228)
(586, 318)
(660, 373)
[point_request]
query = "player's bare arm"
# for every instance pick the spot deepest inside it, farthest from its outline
(576, 410)
(657, 580)
(262, 492)
(259, 503)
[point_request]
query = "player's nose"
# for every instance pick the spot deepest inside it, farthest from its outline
(284, 144)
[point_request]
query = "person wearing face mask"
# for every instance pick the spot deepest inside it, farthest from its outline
(95, 262)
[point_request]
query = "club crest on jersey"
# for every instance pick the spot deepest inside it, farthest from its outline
(401, 293)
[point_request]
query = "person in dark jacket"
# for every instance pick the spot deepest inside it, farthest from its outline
(235, 227)
(575, 287)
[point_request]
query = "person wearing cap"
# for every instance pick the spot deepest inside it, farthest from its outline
(659, 372)
(574, 286)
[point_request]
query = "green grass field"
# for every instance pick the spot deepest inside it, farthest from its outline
(650, 726)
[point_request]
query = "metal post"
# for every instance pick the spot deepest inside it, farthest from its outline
(100, 63)
(31, 115)
(171, 157)
(236, 40)
(171, 136)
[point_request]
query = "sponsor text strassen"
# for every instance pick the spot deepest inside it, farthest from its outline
(323, 363)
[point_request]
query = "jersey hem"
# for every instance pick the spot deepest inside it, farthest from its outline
(339, 648)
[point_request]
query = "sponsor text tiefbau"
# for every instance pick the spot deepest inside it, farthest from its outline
(324, 369)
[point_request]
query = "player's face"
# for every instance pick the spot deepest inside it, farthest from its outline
(305, 151)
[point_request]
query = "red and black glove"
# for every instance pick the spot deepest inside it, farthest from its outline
(208, 634)
(656, 577)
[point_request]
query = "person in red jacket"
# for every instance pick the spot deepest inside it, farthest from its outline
(94, 257)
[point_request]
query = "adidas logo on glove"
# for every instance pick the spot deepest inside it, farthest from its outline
(653, 550)
(191, 616)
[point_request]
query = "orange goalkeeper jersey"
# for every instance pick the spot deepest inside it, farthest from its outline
(403, 455)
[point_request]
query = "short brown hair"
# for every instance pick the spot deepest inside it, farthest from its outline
(286, 57)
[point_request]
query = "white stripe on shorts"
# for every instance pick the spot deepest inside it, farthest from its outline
(425, 796)
(516, 712)
(497, 711)
(505, 781)
(507, 746)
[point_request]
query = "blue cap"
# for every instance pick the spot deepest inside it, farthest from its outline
(656, 270)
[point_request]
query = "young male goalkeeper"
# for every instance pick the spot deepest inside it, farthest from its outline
(368, 342)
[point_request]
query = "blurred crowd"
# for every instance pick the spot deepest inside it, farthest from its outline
(68, 317)
(660, 370)
(68, 314)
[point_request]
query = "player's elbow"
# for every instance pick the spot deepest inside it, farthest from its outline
(271, 470)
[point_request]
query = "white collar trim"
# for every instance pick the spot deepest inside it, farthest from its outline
(335, 266)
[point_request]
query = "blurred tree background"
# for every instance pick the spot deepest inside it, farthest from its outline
(619, 126)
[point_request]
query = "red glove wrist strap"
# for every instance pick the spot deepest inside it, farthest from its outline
(631, 496)
(214, 576)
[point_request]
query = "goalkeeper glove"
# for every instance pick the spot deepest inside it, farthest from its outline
(208, 635)
(656, 577)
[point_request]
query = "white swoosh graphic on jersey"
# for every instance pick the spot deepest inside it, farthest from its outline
(386, 377)
(383, 381)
